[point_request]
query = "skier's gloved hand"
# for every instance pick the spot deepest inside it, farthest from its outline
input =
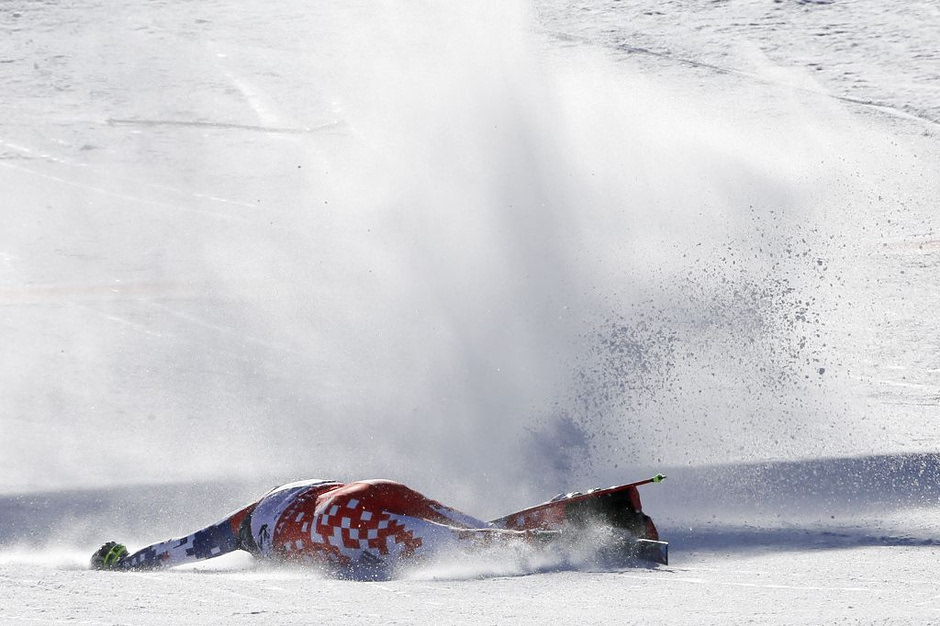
(109, 556)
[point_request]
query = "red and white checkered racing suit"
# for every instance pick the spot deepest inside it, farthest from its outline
(355, 526)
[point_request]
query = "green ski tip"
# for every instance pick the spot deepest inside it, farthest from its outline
(658, 478)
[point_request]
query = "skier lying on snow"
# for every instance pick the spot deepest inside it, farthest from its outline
(360, 527)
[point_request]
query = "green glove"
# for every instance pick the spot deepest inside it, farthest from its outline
(108, 556)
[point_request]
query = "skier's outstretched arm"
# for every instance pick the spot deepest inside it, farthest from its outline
(212, 541)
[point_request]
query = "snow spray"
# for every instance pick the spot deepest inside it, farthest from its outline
(429, 242)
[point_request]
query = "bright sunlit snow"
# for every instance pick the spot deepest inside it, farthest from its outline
(494, 250)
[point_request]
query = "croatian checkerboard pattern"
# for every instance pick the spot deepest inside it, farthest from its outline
(344, 525)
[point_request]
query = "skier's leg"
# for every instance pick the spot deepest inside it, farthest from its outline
(388, 519)
(394, 497)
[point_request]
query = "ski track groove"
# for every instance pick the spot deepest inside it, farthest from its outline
(47, 620)
(932, 599)
(279, 130)
(236, 594)
(410, 596)
(127, 197)
(78, 164)
(932, 583)
(718, 69)
(224, 330)
(702, 581)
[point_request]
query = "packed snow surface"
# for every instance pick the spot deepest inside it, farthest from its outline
(495, 250)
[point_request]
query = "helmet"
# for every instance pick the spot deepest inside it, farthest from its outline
(108, 556)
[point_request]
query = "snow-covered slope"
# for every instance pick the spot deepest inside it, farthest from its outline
(496, 251)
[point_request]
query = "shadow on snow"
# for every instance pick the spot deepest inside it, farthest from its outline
(794, 505)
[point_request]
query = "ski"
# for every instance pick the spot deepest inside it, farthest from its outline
(617, 508)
